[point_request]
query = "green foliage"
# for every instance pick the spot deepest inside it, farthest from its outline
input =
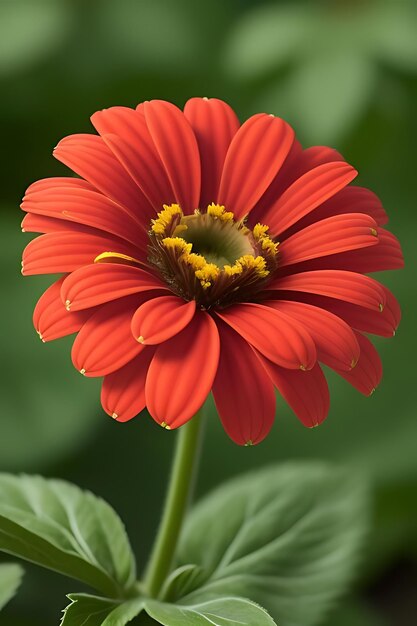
(86, 610)
(221, 612)
(10, 579)
(58, 526)
(287, 537)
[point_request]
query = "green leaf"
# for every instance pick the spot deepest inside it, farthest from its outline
(182, 581)
(88, 610)
(221, 612)
(288, 537)
(58, 526)
(10, 579)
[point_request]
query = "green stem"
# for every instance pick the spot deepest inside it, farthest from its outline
(178, 496)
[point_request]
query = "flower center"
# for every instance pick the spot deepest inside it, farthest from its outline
(210, 257)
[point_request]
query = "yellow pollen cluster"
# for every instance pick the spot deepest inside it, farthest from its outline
(260, 234)
(165, 218)
(178, 244)
(217, 211)
(248, 262)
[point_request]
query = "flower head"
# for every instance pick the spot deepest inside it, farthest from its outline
(199, 255)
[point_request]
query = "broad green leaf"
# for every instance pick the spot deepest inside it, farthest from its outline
(220, 612)
(88, 610)
(10, 579)
(58, 526)
(48, 408)
(287, 536)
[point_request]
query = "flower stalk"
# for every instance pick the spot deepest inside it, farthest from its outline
(180, 488)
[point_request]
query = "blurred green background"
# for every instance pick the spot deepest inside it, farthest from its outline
(344, 73)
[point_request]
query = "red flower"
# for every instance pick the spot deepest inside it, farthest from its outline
(199, 255)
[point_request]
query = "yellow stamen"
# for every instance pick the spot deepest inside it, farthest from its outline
(207, 275)
(260, 235)
(177, 244)
(141, 339)
(165, 218)
(218, 211)
(165, 425)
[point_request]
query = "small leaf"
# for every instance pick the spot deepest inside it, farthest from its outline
(10, 579)
(58, 526)
(288, 537)
(220, 612)
(88, 610)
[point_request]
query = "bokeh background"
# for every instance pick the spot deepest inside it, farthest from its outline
(344, 73)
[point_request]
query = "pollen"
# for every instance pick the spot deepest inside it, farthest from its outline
(257, 264)
(207, 275)
(177, 244)
(217, 211)
(169, 214)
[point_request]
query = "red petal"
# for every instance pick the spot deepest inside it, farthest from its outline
(123, 392)
(278, 337)
(347, 286)
(255, 155)
(243, 394)
(73, 203)
(306, 393)
(307, 193)
(50, 317)
(67, 251)
(332, 235)
(182, 371)
(105, 342)
(161, 318)
(369, 321)
(298, 162)
(177, 147)
(101, 282)
(367, 374)
(33, 223)
(335, 341)
(88, 156)
(214, 123)
(385, 255)
(125, 131)
(351, 199)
